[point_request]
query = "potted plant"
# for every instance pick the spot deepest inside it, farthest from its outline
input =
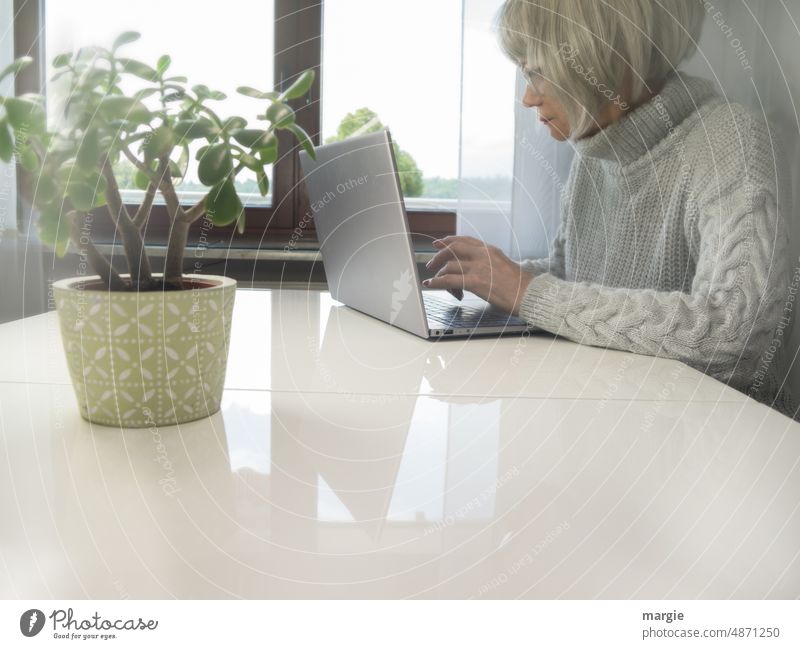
(143, 348)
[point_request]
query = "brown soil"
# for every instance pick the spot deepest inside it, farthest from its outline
(158, 285)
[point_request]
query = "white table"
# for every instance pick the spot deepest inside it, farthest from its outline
(351, 459)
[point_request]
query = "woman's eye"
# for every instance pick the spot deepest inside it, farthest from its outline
(531, 75)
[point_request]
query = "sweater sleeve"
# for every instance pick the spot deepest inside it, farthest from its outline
(554, 264)
(721, 326)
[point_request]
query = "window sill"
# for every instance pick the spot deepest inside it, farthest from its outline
(248, 254)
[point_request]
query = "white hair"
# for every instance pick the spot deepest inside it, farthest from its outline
(594, 51)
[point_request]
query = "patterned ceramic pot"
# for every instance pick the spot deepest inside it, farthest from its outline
(146, 359)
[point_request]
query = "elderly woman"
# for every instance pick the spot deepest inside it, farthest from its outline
(673, 240)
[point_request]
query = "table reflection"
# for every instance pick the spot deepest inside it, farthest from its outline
(386, 470)
(325, 495)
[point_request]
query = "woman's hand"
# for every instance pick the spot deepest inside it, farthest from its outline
(467, 263)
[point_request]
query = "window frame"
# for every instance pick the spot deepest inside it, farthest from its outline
(298, 46)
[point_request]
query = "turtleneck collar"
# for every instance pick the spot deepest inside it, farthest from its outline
(645, 126)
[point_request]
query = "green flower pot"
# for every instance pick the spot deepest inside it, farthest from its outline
(146, 359)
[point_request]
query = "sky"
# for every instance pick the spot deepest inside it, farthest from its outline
(377, 54)
(382, 55)
(217, 48)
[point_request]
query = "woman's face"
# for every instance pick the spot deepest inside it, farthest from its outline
(551, 111)
(539, 94)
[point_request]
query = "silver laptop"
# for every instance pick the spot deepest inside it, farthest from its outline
(366, 249)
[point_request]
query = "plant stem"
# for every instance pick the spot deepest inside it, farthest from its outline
(143, 213)
(173, 263)
(178, 237)
(83, 243)
(102, 266)
(179, 230)
(135, 161)
(195, 211)
(132, 242)
(168, 192)
(163, 180)
(211, 114)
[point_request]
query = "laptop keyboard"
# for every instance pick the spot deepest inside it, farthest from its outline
(457, 316)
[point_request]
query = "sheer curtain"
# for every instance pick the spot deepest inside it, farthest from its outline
(512, 172)
(486, 164)
(10, 295)
(748, 47)
(23, 289)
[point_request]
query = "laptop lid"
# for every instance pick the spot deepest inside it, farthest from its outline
(361, 223)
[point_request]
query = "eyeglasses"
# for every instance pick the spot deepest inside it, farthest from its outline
(533, 76)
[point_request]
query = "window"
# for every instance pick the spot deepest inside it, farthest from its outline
(359, 61)
(398, 65)
(220, 49)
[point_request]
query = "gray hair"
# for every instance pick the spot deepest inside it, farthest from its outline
(595, 51)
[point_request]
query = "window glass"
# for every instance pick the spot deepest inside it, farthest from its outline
(398, 65)
(222, 49)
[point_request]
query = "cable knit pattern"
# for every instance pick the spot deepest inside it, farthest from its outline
(674, 242)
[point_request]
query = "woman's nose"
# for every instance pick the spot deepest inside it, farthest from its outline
(531, 98)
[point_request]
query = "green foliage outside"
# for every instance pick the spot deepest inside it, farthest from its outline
(364, 121)
(412, 180)
(438, 187)
(126, 177)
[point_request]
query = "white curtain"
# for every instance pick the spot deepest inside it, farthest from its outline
(487, 130)
(10, 295)
(541, 168)
(748, 47)
(512, 172)
(23, 287)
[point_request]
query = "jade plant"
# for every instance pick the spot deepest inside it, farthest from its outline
(71, 169)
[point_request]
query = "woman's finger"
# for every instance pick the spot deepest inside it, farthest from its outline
(454, 250)
(454, 267)
(457, 238)
(445, 281)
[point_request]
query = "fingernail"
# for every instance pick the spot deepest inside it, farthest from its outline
(426, 282)
(428, 265)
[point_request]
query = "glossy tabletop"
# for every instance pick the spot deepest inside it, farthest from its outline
(351, 459)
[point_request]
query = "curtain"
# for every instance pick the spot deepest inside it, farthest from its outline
(10, 295)
(541, 168)
(486, 162)
(23, 287)
(511, 171)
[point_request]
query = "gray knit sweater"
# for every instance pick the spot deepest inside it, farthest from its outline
(674, 242)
